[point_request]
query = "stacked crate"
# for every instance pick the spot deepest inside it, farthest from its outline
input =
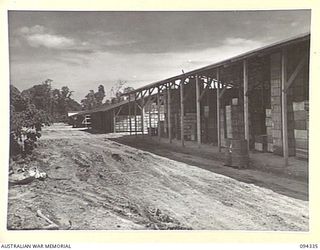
(190, 126)
(260, 143)
(236, 146)
(236, 153)
(301, 128)
(222, 130)
(268, 122)
(228, 121)
(234, 120)
(275, 69)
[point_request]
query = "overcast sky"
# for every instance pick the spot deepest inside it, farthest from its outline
(84, 49)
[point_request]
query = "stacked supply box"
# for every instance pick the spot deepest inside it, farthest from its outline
(269, 130)
(236, 151)
(234, 120)
(275, 80)
(222, 128)
(260, 143)
(228, 121)
(301, 128)
(190, 126)
(275, 69)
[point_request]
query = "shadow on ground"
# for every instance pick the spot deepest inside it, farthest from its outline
(277, 182)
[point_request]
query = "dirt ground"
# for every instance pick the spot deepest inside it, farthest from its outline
(278, 179)
(96, 183)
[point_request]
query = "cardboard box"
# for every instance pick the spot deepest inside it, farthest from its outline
(270, 147)
(301, 134)
(268, 113)
(298, 106)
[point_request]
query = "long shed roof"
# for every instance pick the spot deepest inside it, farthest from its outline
(263, 50)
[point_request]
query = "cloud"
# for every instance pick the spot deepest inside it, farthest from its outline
(237, 41)
(32, 30)
(50, 41)
(108, 39)
(38, 36)
(83, 71)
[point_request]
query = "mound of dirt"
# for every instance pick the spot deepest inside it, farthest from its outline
(94, 183)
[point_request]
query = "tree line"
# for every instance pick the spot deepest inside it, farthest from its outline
(95, 99)
(42, 105)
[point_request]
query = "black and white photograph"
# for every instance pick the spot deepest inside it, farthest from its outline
(159, 120)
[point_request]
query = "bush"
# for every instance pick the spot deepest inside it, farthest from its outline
(25, 127)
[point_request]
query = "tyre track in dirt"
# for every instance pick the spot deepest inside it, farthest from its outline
(108, 185)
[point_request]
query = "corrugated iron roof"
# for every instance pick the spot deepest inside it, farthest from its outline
(265, 49)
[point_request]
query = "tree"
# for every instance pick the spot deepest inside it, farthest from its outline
(17, 102)
(89, 102)
(24, 114)
(63, 100)
(93, 99)
(40, 95)
(55, 102)
(100, 95)
(118, 89)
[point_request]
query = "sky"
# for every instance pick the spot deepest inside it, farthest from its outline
(82, 50)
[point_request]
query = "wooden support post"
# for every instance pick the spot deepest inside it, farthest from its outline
(130, 125)
(159, 106)
(295, 73)
(142, 115)
(169, 114)
(182, 112)
(135, 114)
(218, 111)
(114, 120)
(245, 102)
(150, 105)
(198, 111)
(204, 91)
(224, 89)
(285, 145)
(119, 110)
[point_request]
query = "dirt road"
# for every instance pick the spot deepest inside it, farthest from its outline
(96, 183)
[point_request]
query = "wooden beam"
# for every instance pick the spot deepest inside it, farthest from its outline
(142, 116)
(169, 113)
(246, 102)
(159, 106)
(149, 104)
(198, 111)
(182, 112)
(143, 94)
(224, 88)
(114, 121)
(135, 115)
(296, 71)
(129, 107)
(150, 97)
(218, 111)
(187, 96)
(285, 145)
(203, 92)
(120, 108)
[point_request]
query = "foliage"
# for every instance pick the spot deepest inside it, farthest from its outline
(25, 123)
(55, 102)
(118, 89)
(30, 110)
(93, 99)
